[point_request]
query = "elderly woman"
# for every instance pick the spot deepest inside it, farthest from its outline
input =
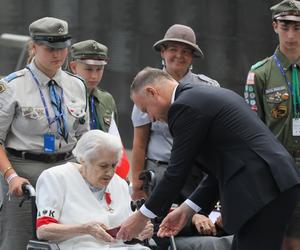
(80, 205)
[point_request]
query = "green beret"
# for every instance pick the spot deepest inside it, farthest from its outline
(286, 10)
(90, 52)
(50, 31)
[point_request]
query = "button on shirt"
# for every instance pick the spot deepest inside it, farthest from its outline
(23, 120)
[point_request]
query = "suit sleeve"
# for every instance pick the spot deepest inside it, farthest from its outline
(206, 194)
(189, 128)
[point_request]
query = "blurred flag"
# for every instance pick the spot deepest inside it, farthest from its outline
(123, 168)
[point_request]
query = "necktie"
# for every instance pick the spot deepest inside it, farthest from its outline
(57, 106)
(296, 99)
(94, 122)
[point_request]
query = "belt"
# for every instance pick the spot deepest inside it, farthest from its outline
(157, 162)
(47, 158)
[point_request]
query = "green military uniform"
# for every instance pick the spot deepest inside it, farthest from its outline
(269, 86)
(105, 106)
(102, 105)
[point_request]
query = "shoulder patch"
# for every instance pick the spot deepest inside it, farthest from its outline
(259, 64)
(77, 76)
(14, 75)
(210, 81)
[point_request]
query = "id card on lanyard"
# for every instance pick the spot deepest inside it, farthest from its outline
(49, 138)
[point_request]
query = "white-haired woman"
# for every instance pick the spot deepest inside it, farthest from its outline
(79, 203)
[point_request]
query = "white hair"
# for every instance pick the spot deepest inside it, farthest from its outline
(93, 143)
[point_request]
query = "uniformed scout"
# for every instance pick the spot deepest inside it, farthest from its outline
(42, 115)
(88, 59)
(272, 88)
(152, 141)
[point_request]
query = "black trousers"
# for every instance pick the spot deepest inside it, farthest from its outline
(265, 231)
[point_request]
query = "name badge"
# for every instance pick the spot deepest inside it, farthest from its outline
(296, 127)
(49, 143)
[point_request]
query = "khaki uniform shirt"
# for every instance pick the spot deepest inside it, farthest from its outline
(23, 120)
(268, 93)
(105, 106)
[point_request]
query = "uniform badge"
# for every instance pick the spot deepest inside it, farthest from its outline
(107, 119)
(254, 107)
(285, 96)
(61, 29)
(279, 111)
(250, 78)
(95, 46)
(2, 87)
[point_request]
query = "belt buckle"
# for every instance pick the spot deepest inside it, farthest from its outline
(50, 158)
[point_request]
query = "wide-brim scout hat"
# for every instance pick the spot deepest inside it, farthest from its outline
(90, 52)
(288, 10)
(180, 33)
(50, 31)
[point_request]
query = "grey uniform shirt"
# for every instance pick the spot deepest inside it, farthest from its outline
(160, 141)
(23, 120)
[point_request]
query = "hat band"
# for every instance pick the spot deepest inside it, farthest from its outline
(287, 13)
(51, 39)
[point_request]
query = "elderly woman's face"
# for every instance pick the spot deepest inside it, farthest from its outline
(100, 171)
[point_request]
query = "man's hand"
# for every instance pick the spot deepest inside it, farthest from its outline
(15, 186)
(175, 221)
(132, 227)
(204, 225)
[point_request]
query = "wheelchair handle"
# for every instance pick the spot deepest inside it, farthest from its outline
(28, 190)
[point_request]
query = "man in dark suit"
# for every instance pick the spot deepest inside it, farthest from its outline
(255, 177)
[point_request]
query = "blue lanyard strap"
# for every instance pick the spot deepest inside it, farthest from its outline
(42, 96)
(283, 73)
(294, 88)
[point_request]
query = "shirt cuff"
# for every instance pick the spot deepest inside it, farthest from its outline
(145, 211)
(192, 205)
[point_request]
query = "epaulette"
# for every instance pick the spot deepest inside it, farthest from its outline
(205, 78)
(14, 75)
(260, 63)
(77, 76)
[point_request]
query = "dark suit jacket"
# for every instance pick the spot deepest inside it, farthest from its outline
(245, 163)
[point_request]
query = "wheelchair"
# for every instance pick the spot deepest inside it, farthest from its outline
(35, 244)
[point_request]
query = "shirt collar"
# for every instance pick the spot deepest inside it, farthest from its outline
(188, 77)
(284, 61)
(42, 78)
(173, 95)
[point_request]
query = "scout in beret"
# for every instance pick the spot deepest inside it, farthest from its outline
(88, 59)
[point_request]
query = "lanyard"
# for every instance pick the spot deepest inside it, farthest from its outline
(43, 98)
(283, 73)
(294, 88)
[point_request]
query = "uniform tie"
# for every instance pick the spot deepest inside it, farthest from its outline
(94, 121)
(296, 99)
(57, 106)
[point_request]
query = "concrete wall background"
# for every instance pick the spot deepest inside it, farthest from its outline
(233, 35)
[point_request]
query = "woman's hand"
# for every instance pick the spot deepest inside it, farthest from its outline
(98, 231)
(147, 232)
(204, 225)
(15, 186)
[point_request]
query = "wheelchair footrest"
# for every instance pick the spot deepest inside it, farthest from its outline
(41, 245)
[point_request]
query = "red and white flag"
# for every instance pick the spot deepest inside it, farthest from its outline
(123, 168)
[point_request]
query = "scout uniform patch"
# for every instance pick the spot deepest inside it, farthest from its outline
(2, 87)
(250, 78)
